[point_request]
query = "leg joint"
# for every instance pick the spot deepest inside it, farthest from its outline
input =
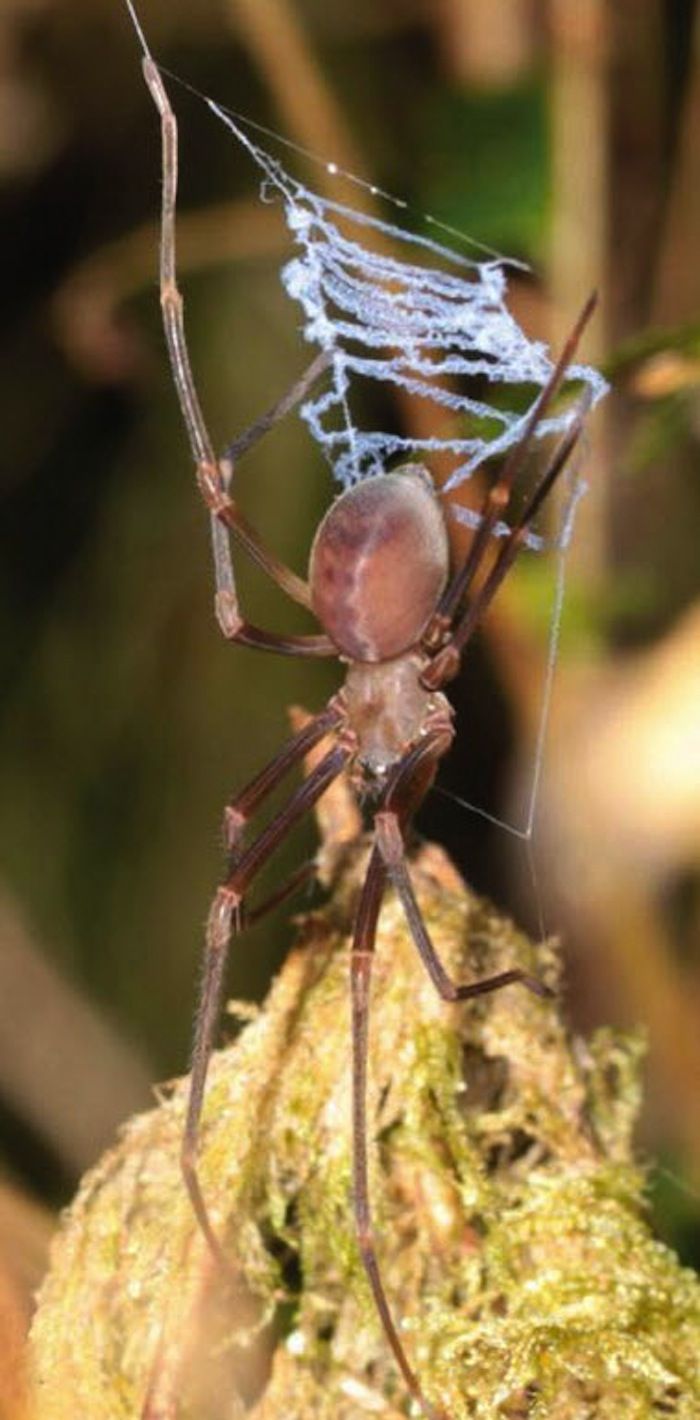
(170, 298)
(223, 908)
(211, 488)
(234, 824)
(227, 614)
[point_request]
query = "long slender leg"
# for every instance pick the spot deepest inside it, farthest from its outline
(240, 808)
(406, 789)
(160, 1402)
(446, 662)
(361, 960)
(498, 495)
(303, 876)
(289, 401)
(223, 920)
(514, 541)
(224, 513)
(235, 629)
(405, 792)
(280, 573)
(290, 583)
(392, 849)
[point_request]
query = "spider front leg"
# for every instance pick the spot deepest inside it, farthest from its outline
(224, 920)
(445, 664)
(211, 479)
(497, 496)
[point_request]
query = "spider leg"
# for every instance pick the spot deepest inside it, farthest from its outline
(301, 877)
(391, 846)
(225, 516)
(240, 808)
(223, 920)
(361, 961)
(408, 787)
(514, 541)
(497, 496)
(288, 580)
(406, 790)
(160, 1401)
(289, 401)
(445, 663)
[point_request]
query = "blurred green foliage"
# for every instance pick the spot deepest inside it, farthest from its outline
(491, 174)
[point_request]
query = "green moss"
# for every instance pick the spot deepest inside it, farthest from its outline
(509, 1211)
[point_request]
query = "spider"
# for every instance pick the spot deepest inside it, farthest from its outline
(393, 611)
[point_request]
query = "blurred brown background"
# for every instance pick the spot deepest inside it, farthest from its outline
(566, 132)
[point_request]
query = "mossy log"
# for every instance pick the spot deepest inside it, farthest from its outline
(509, 1210)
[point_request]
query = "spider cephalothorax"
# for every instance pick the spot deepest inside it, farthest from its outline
(380, 586)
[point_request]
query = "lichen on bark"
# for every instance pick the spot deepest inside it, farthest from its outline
(509, 1209)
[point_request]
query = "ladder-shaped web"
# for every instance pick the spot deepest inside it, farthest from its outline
(438, 329)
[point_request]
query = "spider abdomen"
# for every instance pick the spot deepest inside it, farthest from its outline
(378, 564)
